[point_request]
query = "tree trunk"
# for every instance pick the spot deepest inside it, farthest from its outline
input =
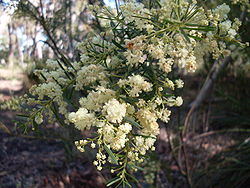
(19, 51)
(70, 29)
(11, 45)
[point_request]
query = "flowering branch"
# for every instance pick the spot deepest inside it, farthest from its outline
(125, 82)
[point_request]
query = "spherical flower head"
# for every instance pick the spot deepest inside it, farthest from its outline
(166, 64)
(108, 132)
(130, 109)
(191, 64)
(169, 83)
(179, 83)
(99, 168)
(225, 26)
(145, 86)
(39, 118)
(138, 84)
(96, 99)
(144, 144)
(114, 111)
(139, 142)
(126, 128)
(221, 11)
(95, 163)
(89, 74)
(118, 141)
(171, 101)
(148, 120)
(149, 142)
(92, 145)
(178, 101)
(156, 51)
(232, 33)
(82, 119)
(135, 57)
(166, 115)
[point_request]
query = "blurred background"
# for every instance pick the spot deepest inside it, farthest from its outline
(206, 144)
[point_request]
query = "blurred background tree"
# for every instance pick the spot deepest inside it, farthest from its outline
(45, 29)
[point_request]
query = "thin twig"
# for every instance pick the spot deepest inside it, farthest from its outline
(210, 80)
(217, 132)
(173, 155)
(188, 173)
(209, 83)
(207, 86)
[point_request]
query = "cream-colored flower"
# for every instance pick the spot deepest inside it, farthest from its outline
(178, 101)
(114, 111)
(82, 119)
(149, 121)
(137, 84)
(89, 74)
(179, 83)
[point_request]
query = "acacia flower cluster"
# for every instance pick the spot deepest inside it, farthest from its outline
(126, 79)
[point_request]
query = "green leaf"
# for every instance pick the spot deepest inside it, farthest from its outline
(131, 121)
(113, 181)
(158, 3)
(198, 25)
(118, 45)
(195, 37)
(71, 91)
(111, 154)
(127, 183)
(186, 12)
(133, 178)
(134, 166)
(65, 72)
(106, 18)
(23, 115)
(192, 14)
(43, 77)
(198, 28)
(55, 112)
(185, 35)
(129, 100)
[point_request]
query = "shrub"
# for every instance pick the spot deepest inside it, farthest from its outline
(127, 76)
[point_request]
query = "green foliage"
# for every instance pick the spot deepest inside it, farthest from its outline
(228, 169)
(130, 63)
(127, 95)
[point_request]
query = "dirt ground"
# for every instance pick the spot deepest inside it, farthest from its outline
(27, 162)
